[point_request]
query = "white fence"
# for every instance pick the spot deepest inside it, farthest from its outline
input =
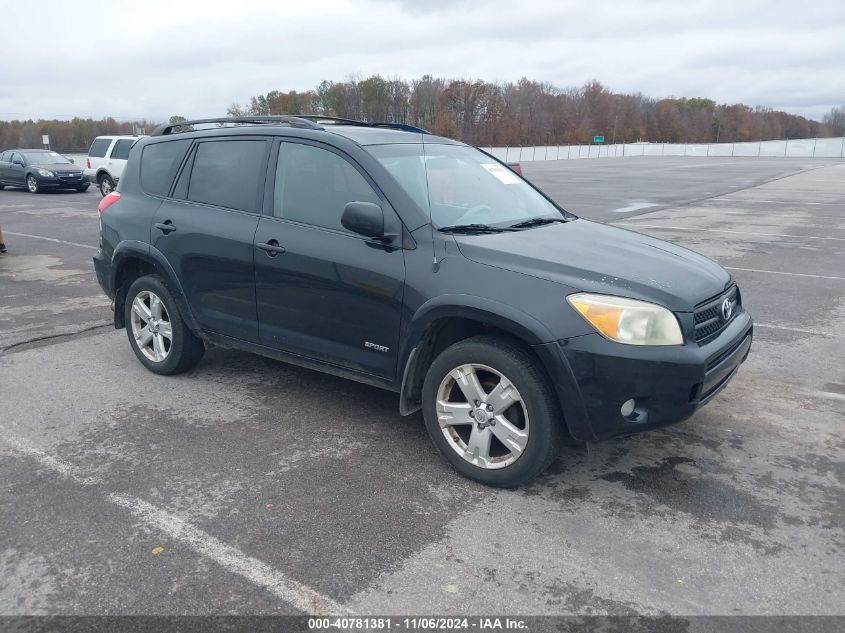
(799, 148)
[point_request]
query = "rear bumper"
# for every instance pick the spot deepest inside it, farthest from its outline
(102, 267)
(594, 377)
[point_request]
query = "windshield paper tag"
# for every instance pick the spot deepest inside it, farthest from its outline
(505, 175)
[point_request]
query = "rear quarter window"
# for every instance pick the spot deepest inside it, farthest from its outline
(99, 147)
(121, 148)
(159, 164)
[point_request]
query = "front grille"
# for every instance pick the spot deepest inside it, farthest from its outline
(709, 317)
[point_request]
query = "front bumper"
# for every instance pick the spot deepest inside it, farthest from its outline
(594, 377)
(61, 182)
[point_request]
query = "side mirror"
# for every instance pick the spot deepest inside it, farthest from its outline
(363, 218)
(71, 160)
(17, 161)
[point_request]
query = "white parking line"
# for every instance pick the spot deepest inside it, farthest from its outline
(300, 596)
(782, 272)
(296, 594)
(50, 239)
(797, 329)
(689, 228)
(730, 199)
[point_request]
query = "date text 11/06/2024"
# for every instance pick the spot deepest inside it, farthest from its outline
(416, 624)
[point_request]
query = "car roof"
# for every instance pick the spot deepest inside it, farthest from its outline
(303, 126)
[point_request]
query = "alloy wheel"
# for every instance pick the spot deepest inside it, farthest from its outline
(151, 327)
(32, 184)
(482, 416)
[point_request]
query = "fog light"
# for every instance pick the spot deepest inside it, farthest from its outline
(627, 408)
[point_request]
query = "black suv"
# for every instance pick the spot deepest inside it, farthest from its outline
(420, 265)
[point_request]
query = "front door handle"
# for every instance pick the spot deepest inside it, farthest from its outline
(165, 227)
(271, 247)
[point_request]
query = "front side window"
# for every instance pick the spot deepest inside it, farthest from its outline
(121, 148)
(99, 147)
(457, 184)
(313, 185)
(17, 158)
(228, 173)
(159, 163)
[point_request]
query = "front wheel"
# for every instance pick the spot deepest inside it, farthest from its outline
(32, 184)
(157, 333)
(490, 411)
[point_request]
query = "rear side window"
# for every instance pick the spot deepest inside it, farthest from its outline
(227, 173)
(6, 157)
(121, 148)
(159, 163)
(99, 147)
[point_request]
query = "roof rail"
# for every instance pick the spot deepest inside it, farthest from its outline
(292, 121)
(332, 120)
(401, 126)
(316, 118)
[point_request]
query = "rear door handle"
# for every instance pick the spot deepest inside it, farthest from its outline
(271, 247)
(165, 227)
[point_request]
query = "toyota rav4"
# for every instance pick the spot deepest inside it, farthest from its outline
(421, 265)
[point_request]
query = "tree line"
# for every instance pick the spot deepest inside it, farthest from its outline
(538, 113)
(483, 113)
(74, 135)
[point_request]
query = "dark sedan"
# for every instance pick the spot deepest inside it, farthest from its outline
(39, 169)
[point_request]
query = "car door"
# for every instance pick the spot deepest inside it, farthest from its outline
(206, 231)
(5, 157)
(322, 291)
(117, 158)
(16, 174)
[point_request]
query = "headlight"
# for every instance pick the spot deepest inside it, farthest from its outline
(628, 320)
(46, 173)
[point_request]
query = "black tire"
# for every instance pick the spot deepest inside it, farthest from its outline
(82, 189)
(105, 184)
(515, 362)
(32, 184)
(2, 187)
(185, 349)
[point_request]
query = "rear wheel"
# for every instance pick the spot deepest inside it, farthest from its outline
(490, 411)
(157, 333)
(105, 184)
(32, 184)
(2, 187)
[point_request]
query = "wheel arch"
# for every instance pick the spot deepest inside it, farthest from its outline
(448, 319)
(102, 170)
(132, 260)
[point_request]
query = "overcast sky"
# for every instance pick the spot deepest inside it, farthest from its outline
(154, 58)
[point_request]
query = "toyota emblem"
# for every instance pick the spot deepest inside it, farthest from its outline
(727, 309)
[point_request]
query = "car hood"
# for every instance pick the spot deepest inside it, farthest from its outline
(59, 168)
(593, 257)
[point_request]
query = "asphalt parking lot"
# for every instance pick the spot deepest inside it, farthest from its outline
(250, 486)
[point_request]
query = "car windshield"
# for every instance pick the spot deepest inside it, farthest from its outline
(45, 158)
(460, 185)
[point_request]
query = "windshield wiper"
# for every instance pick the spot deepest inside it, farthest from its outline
(472, 228)
(536, 222)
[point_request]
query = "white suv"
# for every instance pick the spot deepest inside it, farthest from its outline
(106, 160)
